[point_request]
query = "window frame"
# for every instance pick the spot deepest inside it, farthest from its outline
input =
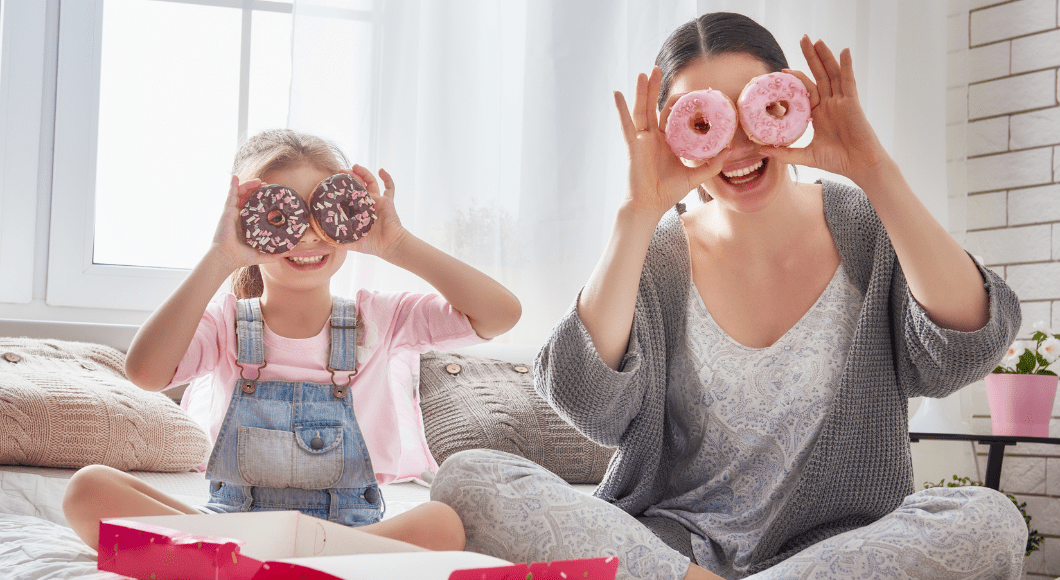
(21, 110)
(74, 280)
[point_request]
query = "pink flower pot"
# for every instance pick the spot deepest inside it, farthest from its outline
(1021, 404)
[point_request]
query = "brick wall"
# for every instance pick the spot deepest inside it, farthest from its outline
(1013, 210)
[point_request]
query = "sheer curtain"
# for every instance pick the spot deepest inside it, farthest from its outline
(497, 120)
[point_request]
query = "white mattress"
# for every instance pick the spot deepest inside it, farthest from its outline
(36, 543)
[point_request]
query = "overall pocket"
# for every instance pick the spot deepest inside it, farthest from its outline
(308, 458)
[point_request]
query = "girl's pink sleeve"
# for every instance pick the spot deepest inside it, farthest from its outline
(420, 322)
(214, 338)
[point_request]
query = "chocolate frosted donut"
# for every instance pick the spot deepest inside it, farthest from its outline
(342, 209)
(274, 218)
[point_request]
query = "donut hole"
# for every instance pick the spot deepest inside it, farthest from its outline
(700, 124)
(777, 109)
(276, 218)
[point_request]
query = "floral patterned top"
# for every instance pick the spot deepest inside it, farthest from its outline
(747, 419)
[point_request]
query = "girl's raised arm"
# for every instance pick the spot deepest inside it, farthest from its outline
(490, 307)
(161, 342)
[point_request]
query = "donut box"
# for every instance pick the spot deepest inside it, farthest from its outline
(288, 544)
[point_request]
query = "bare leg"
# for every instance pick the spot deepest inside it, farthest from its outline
(432, 525)
(98, 491)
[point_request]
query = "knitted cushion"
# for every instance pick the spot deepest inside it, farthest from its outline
(471, 402)
(68, 404)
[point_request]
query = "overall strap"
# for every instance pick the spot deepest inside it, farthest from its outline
(250, 332)
(343, 355)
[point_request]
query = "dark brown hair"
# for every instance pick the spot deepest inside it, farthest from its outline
(276, 150)
(712, 34)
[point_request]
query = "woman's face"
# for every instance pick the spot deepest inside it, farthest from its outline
(748, 175)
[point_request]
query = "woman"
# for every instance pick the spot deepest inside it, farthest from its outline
(752, 359)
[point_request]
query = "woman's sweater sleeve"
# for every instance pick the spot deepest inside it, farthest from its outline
(599, 401)
(936, 361)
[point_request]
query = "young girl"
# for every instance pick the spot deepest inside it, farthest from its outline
(293, 370)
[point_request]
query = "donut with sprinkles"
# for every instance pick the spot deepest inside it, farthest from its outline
(342, 209)
(274, 218)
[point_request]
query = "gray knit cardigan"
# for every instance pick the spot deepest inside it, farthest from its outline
(860, 467)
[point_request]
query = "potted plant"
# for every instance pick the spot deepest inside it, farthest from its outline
(1021, 390)
(1034, 539)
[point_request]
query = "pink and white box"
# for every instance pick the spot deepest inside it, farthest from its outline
(288, 544)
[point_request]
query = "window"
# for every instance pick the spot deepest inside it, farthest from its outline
(154, 97)
(22, 25)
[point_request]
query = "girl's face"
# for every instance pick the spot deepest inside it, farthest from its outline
(313, 261)
(748, 175)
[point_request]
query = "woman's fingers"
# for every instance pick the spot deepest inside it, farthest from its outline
(846, 66)
(831, 67)
(652, 98)
(811, 87)
(791, 155)
(628, 130)
(712, 167)
(640, 120)
(824, 87)
(664, 117)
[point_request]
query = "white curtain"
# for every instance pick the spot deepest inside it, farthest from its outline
(497, 120)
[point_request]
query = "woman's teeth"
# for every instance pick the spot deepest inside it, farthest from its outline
(304, 260)
(735, 175)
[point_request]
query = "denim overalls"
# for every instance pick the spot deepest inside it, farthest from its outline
(294, 445)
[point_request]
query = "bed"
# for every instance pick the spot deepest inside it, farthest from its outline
(477, 398)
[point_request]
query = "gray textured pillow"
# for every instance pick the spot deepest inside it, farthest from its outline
(471, 402)
(68, 404)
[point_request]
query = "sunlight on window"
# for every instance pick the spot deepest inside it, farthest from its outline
(168, 123)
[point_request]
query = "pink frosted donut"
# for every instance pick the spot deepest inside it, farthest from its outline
(701, 124)
(763, 120)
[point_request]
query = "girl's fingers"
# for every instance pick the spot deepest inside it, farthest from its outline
(243, 191)
(815, 97)
(846, 66)
(366, 178)
(824, 87)
(388, 183)
(831, 67)
(652, 98)
(664, 116)
(628, 130)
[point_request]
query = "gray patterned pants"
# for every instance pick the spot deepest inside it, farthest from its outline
(516, 510)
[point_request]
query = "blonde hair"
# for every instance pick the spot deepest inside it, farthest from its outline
(276, 150)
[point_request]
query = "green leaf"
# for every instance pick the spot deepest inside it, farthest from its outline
(1026, 364)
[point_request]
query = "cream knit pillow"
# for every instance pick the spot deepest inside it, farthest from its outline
(68, 404)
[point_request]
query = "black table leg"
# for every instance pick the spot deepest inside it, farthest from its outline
(993, 464)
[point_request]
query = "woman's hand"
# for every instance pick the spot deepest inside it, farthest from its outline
(387, 232)
(843, 141)
(657, 177)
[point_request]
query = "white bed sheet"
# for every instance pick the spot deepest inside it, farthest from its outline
(36, 543)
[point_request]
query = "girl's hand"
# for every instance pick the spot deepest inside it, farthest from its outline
(657, 178)
(385, 235)
(228, 243)
(843, 141)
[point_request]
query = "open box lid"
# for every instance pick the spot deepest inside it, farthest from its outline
(288, 544)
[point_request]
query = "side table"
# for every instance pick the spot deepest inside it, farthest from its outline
(997, 445)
